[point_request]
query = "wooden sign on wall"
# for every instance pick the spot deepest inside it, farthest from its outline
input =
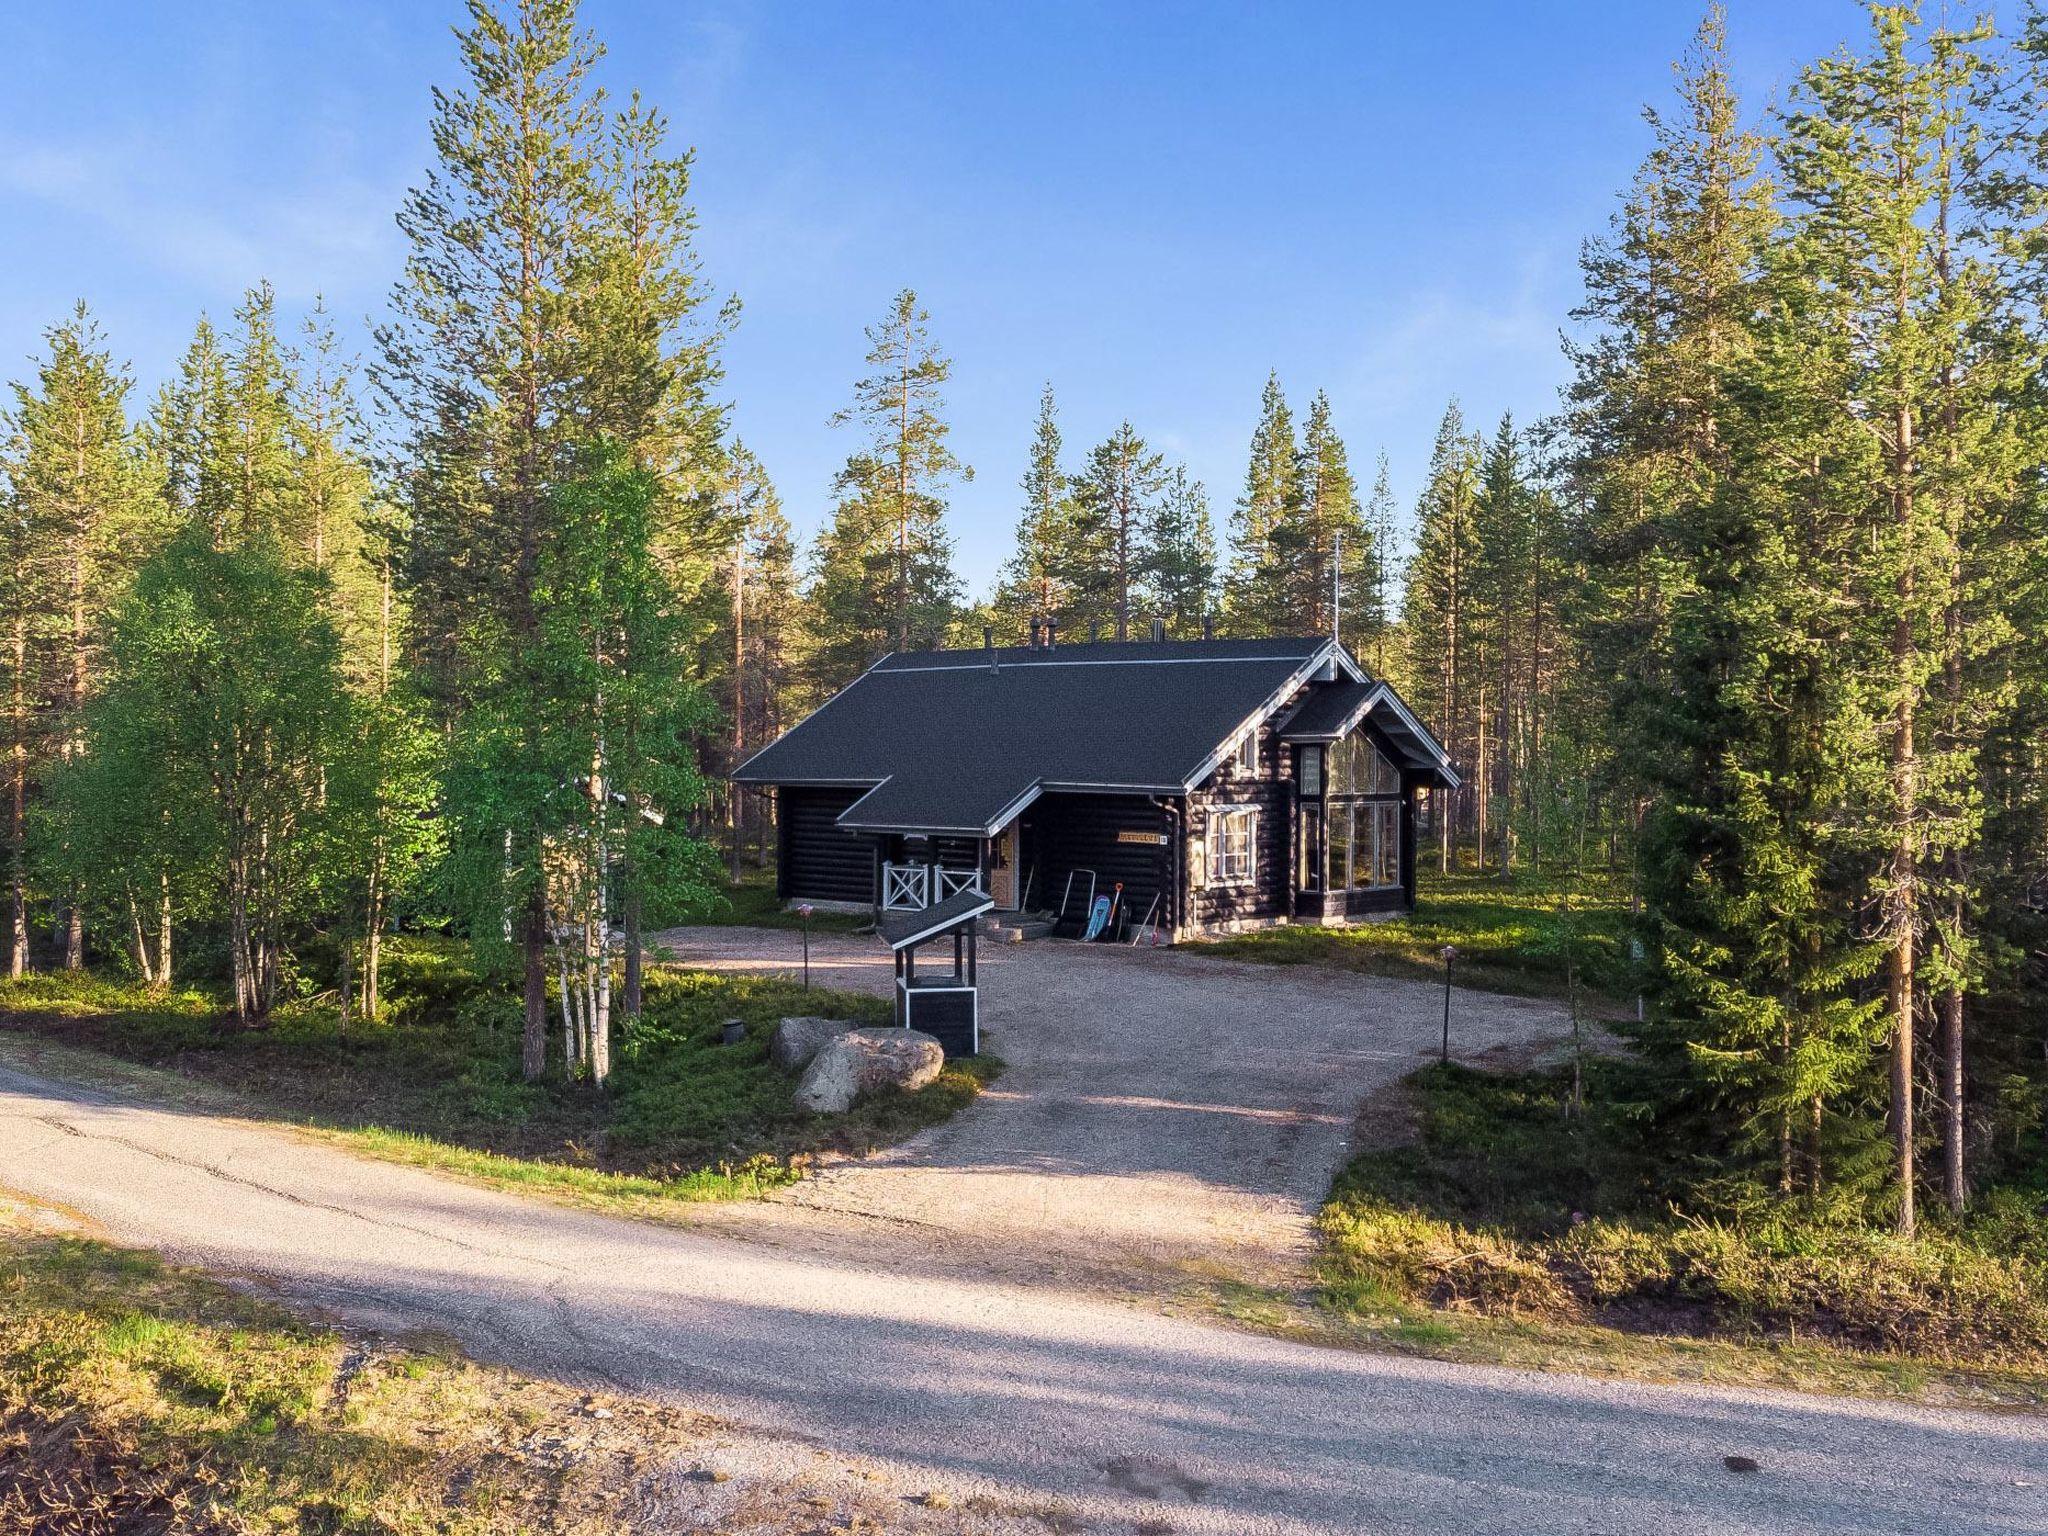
(1147, 839)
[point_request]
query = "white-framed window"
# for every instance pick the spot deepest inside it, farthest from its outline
(1248, 752)
(1233, 845)
(1311, 773)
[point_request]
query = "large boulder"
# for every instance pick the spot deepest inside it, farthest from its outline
(864, 1060)
(796, 1041)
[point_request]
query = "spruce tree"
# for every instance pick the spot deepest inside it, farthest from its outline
(1370, 576)
(1030, 587)
(1665, 314)
(1255, 597)
(1874, 150)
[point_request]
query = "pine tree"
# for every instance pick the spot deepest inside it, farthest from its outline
(1180, 574)
(481, 369)
(864, 600)
(1436, 606)
(759, 637)
(1108, 553)
(1874, 150)
(1501, 587)
(903, 472)
(1324, 527)
(79, 505)
(1255, 598)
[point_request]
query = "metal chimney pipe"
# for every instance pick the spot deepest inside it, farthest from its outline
(1052, 633)
(1208, 626)
(1159, 629)
(1037, 627)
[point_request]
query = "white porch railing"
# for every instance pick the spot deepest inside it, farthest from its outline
(913, 887)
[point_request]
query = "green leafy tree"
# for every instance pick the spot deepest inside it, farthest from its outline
(218, 729)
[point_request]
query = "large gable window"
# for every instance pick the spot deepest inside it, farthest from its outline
(1233, 845)
(1357, 767)
(1351, 840)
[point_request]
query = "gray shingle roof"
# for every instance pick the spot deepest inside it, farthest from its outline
(959, 741)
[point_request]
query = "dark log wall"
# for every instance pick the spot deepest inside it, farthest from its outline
(815, 859)
(1272, 791)
(1080, 832)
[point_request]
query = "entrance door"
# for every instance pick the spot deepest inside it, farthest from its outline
(1002, 870)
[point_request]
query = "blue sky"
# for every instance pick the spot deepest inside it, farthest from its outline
(1149, 205)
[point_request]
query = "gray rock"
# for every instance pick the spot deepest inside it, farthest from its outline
(864, 1060)
(796, 1041)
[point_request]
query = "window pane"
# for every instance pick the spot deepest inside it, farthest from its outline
(1232, 846)
(1340, 847)
(1310, 856)
(1390, 844)
(1364, 853)
(1311, 771)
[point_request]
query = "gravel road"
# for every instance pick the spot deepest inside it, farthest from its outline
(1162, 1113)
(1100, 1416)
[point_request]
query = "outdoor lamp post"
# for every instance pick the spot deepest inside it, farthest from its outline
(803, 913)
(1450, 953)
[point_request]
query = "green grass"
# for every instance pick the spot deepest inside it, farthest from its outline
(1512, 1218)
(751, 902)
(139, 1397)
(437, 1081)
(1511, 935)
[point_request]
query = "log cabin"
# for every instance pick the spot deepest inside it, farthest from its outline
(1201, 786)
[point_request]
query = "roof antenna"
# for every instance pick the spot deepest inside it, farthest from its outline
(1337, 589)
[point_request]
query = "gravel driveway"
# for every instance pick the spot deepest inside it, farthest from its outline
(1032, 1410)
(1163, 1114)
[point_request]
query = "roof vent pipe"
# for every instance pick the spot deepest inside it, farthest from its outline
(1158, 629)
(1037, 626)
(1208, 626)
(1052, 633)
(988, 643)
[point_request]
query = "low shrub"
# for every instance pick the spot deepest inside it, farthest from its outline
(1511, 1206)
